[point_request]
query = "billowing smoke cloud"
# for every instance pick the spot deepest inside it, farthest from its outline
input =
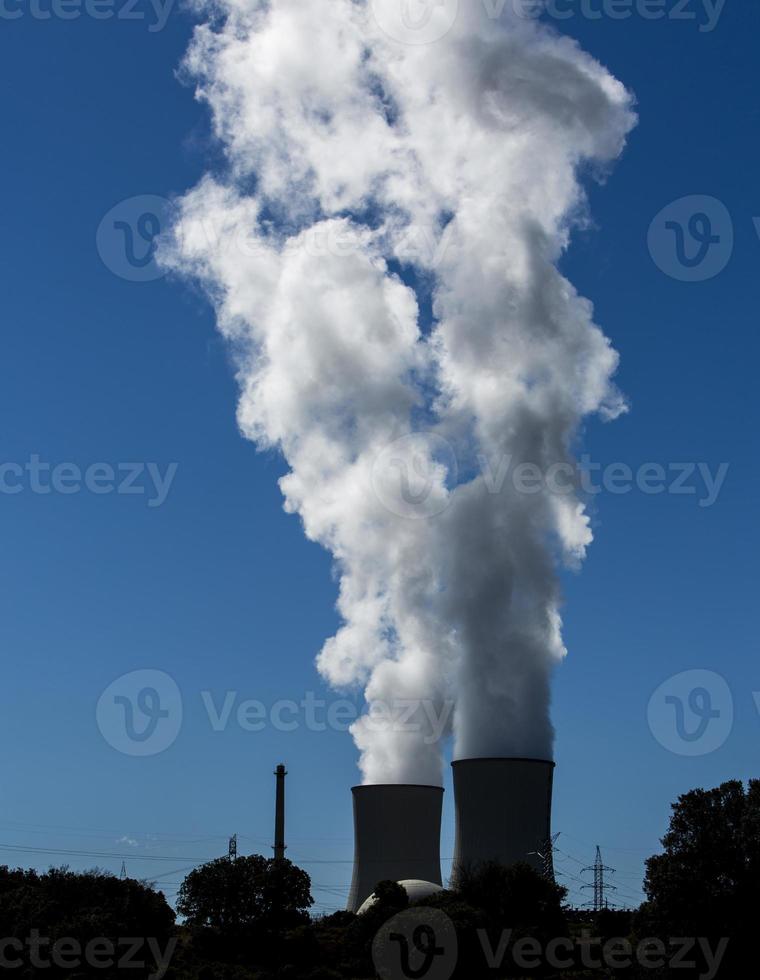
(381, 251)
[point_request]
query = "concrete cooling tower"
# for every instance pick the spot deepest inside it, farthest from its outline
(503, 811)
(397, 831)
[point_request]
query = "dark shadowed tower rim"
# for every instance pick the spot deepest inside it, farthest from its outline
(366, 787)
(504, 758)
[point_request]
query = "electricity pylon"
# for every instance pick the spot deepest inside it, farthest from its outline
(545, 854)
(600, 886)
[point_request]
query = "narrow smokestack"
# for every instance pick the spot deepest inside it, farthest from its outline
(397, 831)
(503, 811)
(279, 813)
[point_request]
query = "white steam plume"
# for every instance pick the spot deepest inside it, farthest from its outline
(368, 173)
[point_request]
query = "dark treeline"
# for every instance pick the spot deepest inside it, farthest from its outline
(249, 919)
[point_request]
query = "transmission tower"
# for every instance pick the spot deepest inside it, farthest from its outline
(123, 872)
(600, 886)
(545, 854)
(232, 848)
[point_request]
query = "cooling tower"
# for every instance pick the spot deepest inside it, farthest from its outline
(397, 831)
(503, 811)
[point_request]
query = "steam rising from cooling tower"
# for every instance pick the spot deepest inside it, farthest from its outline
(381, 251)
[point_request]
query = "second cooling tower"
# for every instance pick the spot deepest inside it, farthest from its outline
(397, 830)
(503, 811)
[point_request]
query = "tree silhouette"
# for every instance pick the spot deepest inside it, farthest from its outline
(515, 895)
(232, 897)
(707, 881)
(80, 907)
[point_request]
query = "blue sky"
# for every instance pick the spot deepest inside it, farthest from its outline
(219, 588)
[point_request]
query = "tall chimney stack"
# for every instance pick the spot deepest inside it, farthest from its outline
(279, 814)
(503, 812)
(397, 832)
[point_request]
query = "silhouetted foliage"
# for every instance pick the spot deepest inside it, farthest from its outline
(249, 919)
(706, 883)
(47, 921)
(612, 923)
(232, 897)
(493, 903)
(390, 896)
(515, 895)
